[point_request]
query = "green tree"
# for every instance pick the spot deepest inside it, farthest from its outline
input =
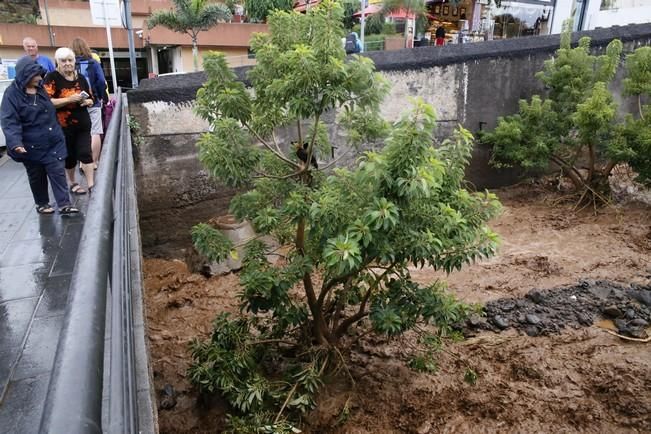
(190, 17)
(259, 10)
(349, 236)
(574, 126)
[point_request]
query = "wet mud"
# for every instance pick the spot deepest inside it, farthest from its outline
(562, 282)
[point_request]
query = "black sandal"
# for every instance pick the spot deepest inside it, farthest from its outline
(76, 189)
(45, 209)
(68, 210)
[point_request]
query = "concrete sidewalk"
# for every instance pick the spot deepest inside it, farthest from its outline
(37, 256)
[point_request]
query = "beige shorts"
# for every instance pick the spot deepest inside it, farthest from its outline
(95, 120)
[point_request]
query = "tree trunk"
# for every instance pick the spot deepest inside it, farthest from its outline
(195, 53)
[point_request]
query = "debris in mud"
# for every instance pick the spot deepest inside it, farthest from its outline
(167, 397)
(543, 312)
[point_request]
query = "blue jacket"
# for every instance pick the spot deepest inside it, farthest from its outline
(30, 121)
(45, 62)
(93, 72)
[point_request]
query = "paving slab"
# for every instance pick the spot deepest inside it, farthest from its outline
(37, 256)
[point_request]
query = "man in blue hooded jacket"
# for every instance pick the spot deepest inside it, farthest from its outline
(34, 137)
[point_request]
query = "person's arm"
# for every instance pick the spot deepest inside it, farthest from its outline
(11, 125)
(50, 87)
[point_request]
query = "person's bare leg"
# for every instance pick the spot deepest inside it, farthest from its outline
(70, 174)
(90, 174)
(96, 146)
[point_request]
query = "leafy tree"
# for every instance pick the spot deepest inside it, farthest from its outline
(349, 7)
(635, 133)
(190, 17)
(259, 10)
(574, 126)
(348, 235)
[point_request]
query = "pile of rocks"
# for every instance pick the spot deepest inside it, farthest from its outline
(542, 312)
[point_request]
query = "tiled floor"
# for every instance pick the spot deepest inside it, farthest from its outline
(37, 255)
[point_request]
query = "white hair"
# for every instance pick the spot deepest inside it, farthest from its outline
(63, 53)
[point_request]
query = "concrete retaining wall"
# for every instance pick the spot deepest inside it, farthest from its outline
(471, 84)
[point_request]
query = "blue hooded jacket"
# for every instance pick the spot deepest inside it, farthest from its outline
(30, 121)
(93, 72)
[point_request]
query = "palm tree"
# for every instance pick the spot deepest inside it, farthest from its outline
(190, 17)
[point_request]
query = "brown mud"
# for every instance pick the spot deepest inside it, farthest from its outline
(572, 377)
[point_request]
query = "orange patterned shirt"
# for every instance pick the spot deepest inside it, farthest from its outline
(57, 86)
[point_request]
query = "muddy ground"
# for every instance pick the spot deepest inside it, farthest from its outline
(558, 270)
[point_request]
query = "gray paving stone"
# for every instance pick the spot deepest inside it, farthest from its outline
(38, 355)
(22, 408)
(66, 256)
(40, 226)
(22, 281)
(29, 252)
(17, 204)
(15, 316)
(11, 221)
(55, 297)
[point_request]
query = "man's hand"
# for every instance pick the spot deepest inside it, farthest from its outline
(20, 149)
(87, 103)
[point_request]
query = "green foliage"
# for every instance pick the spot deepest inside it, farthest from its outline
(638, 72)
(349, 235)
(578, 118)
(190, 17)
(258, 10)
(349, 7)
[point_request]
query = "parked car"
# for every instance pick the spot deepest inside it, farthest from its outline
(4, 84)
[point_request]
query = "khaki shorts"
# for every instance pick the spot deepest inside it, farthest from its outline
(96, 121)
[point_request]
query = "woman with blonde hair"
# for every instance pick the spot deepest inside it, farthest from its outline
(71, 95)
(88, 67)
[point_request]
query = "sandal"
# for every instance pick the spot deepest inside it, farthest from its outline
(67, 210)
(45, 209)
(76, 189)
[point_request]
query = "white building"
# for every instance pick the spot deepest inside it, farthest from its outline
(592, 14)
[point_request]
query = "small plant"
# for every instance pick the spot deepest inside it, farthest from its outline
(134, 127)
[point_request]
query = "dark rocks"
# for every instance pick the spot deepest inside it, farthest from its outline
(612, 311)
(532, 330)
(532, 319)
(500, 322)
(547, 311)
(638, 322)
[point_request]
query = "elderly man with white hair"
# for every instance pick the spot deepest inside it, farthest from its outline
(31, 49)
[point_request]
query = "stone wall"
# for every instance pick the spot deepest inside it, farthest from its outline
(471, 85)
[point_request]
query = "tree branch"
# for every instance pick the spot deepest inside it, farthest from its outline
(266, 145)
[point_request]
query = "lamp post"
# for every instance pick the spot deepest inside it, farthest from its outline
(363, 24)
(132, 47)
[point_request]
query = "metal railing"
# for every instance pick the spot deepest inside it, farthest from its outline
(103, 266)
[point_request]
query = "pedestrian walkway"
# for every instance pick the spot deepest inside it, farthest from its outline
(37, 256)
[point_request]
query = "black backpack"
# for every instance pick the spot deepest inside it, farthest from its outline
(351, 43)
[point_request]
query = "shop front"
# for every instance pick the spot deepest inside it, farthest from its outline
(464, 21)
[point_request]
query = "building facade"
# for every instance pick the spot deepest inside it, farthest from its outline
(158, 51)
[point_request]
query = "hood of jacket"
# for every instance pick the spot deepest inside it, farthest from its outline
(26, 69)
